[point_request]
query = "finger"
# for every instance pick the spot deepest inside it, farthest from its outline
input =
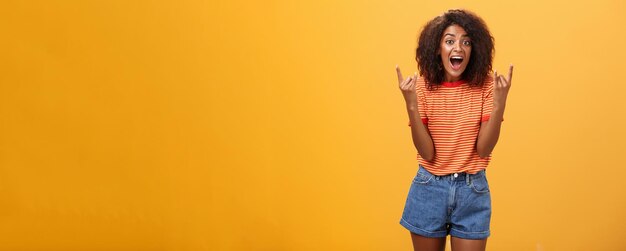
(413, 80)
(399, 74)
(406, 82)
(510, 73)
(410, 86)
(503, 82)
(495, 78)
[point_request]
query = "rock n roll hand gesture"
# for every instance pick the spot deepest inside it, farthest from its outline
(419, 132)
(501, 88)
(407, 86)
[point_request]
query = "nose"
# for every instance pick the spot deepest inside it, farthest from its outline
(457, 47)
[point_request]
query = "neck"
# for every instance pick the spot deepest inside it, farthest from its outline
(452, 79)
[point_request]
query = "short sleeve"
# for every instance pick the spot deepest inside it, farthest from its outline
(420, 89)
(487, 100)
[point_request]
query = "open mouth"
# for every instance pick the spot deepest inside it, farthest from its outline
(456, 61)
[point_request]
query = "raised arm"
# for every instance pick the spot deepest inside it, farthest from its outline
(420, 134)
(490, 130)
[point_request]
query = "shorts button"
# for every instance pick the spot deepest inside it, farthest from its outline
(456, 175)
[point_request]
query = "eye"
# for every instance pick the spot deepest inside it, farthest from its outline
(467, 43)
(449, 41)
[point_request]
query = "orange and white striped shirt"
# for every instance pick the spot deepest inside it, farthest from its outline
(453, 114)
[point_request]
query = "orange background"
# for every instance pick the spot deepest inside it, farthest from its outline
(278, 125)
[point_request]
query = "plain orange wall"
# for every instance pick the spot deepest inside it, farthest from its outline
(278, 125)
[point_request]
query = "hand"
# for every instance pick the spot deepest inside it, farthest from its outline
(407, 86)
(501, 88)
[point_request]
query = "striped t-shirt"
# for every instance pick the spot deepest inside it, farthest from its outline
(453, 114)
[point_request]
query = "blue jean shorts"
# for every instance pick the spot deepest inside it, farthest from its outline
(456, 204)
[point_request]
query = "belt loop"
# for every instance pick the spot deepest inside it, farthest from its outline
(467, 179)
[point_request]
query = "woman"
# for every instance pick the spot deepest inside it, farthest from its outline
(455, 112)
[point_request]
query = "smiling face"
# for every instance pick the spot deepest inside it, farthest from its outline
(455, 51)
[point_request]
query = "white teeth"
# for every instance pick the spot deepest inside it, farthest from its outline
(456, 57)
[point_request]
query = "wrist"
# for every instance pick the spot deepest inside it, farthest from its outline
(499, 105)
(499, 101)
(497, 112)
(411, 106)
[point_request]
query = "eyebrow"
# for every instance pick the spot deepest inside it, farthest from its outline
(450, 34)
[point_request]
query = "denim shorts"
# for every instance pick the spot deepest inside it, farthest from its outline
(456, 204)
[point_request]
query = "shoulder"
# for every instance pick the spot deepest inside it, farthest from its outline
(421, 85)
(488, 84)
(420, 81)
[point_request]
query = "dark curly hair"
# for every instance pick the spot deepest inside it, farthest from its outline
(427, 53)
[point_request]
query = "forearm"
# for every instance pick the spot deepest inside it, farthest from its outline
(421, 137)
(490, 132)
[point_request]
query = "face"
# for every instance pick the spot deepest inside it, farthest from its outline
(455, 51)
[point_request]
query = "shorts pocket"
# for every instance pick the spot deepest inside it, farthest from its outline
(422, 177)
(480, 184)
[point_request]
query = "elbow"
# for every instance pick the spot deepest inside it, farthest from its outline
(426, 152)
(483, 153)
(428, 156)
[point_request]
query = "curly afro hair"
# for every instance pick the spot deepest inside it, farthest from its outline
(427, 53)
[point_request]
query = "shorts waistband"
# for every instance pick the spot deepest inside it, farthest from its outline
(456, 176)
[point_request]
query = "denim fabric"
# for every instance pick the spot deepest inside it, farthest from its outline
(456, 204)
